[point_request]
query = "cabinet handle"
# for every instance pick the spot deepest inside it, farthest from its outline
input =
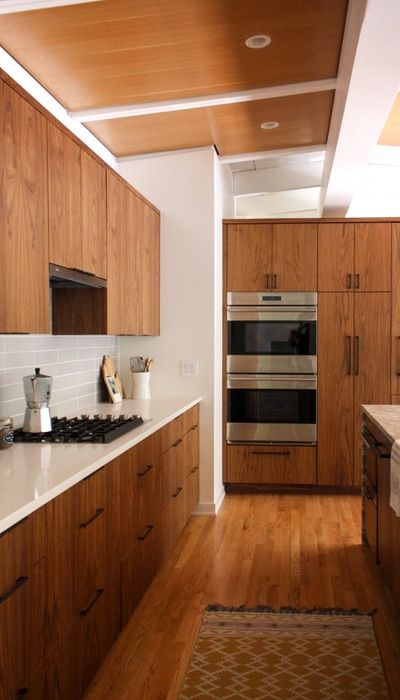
(22, 692)
(398, 356)
(178, 442)
(177, 492)
(194, 427)
(148, 468)
(349, 354)
(348, 283)
(194, 470)
(96, 596)
(275, 281)
(256, 452)
(357, 281)
(146, 533)
(98, 512)
(18, 583)
(267, 281)
(357, 354)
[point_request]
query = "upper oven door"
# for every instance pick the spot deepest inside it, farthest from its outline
(276, 340)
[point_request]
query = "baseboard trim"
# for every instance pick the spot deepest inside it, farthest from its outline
(210, 508)
(291, 488)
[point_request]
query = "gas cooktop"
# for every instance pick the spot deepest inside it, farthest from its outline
(97, 428)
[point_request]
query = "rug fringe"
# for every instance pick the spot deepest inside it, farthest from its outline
(216, 607)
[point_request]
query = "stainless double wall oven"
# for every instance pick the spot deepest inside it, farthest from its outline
(271, 367)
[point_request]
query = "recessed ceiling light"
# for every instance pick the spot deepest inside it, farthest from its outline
(269, 125)
(258, 41)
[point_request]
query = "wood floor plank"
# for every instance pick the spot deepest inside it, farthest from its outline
(278, 550)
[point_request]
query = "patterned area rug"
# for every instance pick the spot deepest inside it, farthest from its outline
(285, 654)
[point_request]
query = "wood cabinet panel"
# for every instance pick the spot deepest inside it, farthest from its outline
(64, 178)
(191, 493)
(148, 270)
(138, 570)
(248, 257)
(264, 464)
(117, 263)
(294, 257)
(371, 359)
(94, 206)
(21, 546)
(371, 524)
(24, 207)
(396, 309)
(372, 256)
(335, 257)
(386, 520)
(335, 388)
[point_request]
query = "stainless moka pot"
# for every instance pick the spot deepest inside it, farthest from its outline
(37, 388)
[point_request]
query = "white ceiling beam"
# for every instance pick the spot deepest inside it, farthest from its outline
(368, 81)
(140, 110)
(291, 177)
(277, 153)
(10, 6)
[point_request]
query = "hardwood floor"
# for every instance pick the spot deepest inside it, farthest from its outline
(277, 550)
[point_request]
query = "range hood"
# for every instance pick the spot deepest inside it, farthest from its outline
(66, 277)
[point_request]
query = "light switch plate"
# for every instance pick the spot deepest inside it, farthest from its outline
(189, 368)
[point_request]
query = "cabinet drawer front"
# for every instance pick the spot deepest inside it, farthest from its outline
(170, 433)
(190, 418)
(371, 524)
(264, 464)
(93, 494)
(21, 546)
(191, 492)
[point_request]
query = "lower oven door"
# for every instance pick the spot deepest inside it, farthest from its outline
(271, 408)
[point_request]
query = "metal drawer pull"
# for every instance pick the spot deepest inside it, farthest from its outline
(357, 281)
(357, 354)
(194, 427)
(256, 452)
(98, 512)
(349, 354)
(178, 442)
(148, 468)
(398, 356)
(146, 533)
(348, 283)
(97, 595)
(266, 281)
(177, 492)
(194, 470)
(275, 281)
(18, 583)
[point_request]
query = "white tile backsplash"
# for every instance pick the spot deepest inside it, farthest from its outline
(73, 362)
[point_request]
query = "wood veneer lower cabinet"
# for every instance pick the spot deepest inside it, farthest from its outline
(264, 464)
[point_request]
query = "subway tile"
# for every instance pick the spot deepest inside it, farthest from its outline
(86, 365)
(87, 401)
(85, 377)
(65, 408)
(67, 368)
(88, 388)
(20, 359)
(65, 380)
(67, 341)
(3, 343)
(66, 394)
(67, 354)
(2, 360)
(11, 392)
(14, 407)
(19, 343)
(46, 357)
(46, 342)
(87, 353)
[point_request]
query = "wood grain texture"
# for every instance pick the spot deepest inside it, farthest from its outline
(264, 464)
(24, 215)
(335, 388)
(148, 271)
(302, 551)
(395, 309)
(64, 178)
(118, 282)
(79, 311)
(249, 257)
(335, 257)
(372, 256)
(94, 221)
(115, 53)
(294, 257)
(372, 383)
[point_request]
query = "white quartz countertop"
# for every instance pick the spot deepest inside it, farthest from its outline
(33, 474)
(387, 418)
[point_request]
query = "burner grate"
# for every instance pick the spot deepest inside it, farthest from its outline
(83, 429)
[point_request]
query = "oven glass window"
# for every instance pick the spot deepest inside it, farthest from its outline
(272, 338)
(271, 405)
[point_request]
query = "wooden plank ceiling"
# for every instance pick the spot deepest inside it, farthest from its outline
(120, 52)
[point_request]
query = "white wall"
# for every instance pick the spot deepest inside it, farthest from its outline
(184, 188)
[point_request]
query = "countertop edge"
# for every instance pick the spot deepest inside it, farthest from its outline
(374, 413)
(124, 443)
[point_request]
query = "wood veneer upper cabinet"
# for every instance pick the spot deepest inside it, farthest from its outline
(372, 256)
(23, 205)
(94, 205)
(248, 257)
(64, 172)
(148, 263)
(335, 388)
(354, 257)
(335, 257)
(294, 257)
(119, 292)
(396, 309)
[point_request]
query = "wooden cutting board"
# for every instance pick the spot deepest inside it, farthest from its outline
(108, 369)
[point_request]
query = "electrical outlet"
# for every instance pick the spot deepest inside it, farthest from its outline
(189, 368)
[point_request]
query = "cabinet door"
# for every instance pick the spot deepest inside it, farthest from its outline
(148, 264)
(335, 388)
(294, 257)
(24, 307)
(335, 257)
(248, 257)
(386, 520)
(395, 311)
(278, 464)
(372, 257)
(371, 360)
(64, 173)
(120, 280)
(93, 196)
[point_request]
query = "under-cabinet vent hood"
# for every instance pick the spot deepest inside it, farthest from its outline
(66, 277)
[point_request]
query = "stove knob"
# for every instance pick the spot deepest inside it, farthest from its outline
(110, 416)
(122, 416)
(98, 416)
(85, 416)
